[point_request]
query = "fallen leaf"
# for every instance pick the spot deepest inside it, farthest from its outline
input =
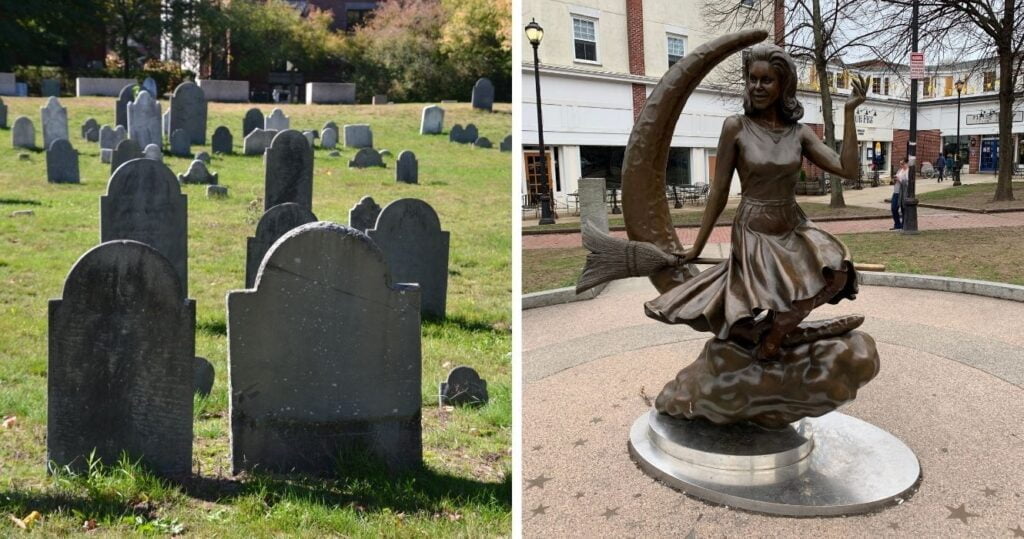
(18, 522)
(89, 525)
(9, 422)
(32, 517)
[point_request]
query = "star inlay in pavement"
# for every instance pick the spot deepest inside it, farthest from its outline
(540, 509)
(960, 513)
(1018, 531)
(609, 513)
(989, 491)
(579, 443)
(596, 420)
(894, 526)
(538, 447)
(578, 495)
(539, 482)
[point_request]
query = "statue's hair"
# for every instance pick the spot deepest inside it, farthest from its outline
(790, 109)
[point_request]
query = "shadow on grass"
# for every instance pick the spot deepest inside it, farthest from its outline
(215, 326)
(19, 201)
(460, 322)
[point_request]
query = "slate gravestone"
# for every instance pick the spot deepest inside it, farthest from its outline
(49, 88)
(165, 123)
(222, 142)
(3, 114)
(62, 163)
(310, 137)
(91, 123)
(179, 143)
(109, 139)
(127, 95)
(324, 358)
(253, 120)
(358, 136)
(188, 112)
(277, 120)
(432, 120)
(366, 157)
(144, 203)
(332, 125)
(463, 135)
(483, 94)
(256, 143)
(506, 144)
(592, 203)
(407, 168)
(125, 151)
(203, 156)
(329, 138)
(409, 233)
(55, 121)
(144, 121)
(364, 214)
(274, 223)
(93, 134)
(150, 86)
(121, 352)
(23, 133)
(483, 142)
(463, 387)
(153, 152)
(202, 376)
(216, 191)
(198, 173)
(289, 171)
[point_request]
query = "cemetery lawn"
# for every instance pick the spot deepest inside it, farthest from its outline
(976, 196)
(465, 486)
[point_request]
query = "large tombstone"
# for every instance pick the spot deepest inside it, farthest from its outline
(463, 135)
(365, 158)
(222, 141)
(274, 223)
(23, 133)
(3, 115)
(324, 358)
(277, 120)
(55, 121)
(62, 162)
(144, 121)
(179, 143)
(329, 138)
(289, 171)
(256, 143)
(483, 94)
(144, 203)
(432, 120)
(407, 168)
(364, 214)
(409, 232)
(121, 349)
(198, 173)
(188, 112)
(125, 151)
(358, 136)
(127, 95)
(253, 120)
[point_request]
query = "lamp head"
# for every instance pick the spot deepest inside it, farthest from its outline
(959, 86)
(534, 32)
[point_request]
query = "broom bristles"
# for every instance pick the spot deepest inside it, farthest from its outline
(613, 258)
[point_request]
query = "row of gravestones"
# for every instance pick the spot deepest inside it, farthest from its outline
(432, 123)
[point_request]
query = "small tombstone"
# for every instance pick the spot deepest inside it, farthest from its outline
(384, 153)
(380, 99)
(310, 137)
(55, 121)
(105, 155)
(3, 114)
(277, 120)
(483, 94)
(144, 203)
(165, 123)
(256, 143)
(407, 168)
(506, 144)
(49, 88)
(203, 156)
(483, 142)
(366, 157)
(180, 146)
(106, 137)
(23, 134)
(432, 120)
(358, 136)
(330, 124)
(121, 353)
(91, 123)
(92, 135)
(125, 151)
(325, 358)
(198, 173)
(202, 376)
(216, 191)
(144, 121)
(152, 151)
(288, 166)
(364, 214)
(274, 223)
(409, 232)
(188, 112)
(150, 86)
(464, 387)
(329, 138)
(62, 163)
(463, 135)
(335, 153)
(125, 96)
(253, 120)
(222, 140)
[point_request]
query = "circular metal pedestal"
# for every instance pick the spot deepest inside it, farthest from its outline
(826, 466)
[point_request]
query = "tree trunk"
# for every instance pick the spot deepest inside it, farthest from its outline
(1004, 186)
(829, 126)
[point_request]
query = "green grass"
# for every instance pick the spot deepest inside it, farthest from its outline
(976, 196)
(464, 488)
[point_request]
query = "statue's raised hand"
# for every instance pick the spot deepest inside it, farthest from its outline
(859, 93)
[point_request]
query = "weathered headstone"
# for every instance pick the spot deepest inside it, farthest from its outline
(407, 168)
(364, 214)
(310, 137)
(380, 99)
(253, 120)
(358, 136)
(127, 95)
(409, 233)
(324, 358)
(366, 157)
(198, 173)
(55, 121)
(144, 121)
(216, 191)
(483, 142)
(432, 120)
(152, 151)
(49, 88)
(23, 133)
(188, 112)
(506, 144)
(109, 139)
(120, 372)
(203, 156)
(483, 94)
(62, 162)
(274, 223)
(277, 120)
(256, 143)
(329, 138)
(179, 143)
(144, 203)
(330, 124)
(202, 376)
(150, 86)
(125, 151)
(90, 123)
(463, 387)
(289, 171)
(463, 135)
(3, 115)
(222, 141)
(593, 209)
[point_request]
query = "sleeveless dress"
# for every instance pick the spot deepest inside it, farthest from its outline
(778, 255)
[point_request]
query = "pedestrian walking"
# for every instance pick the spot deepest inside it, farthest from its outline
(899, 186)
(940, 165)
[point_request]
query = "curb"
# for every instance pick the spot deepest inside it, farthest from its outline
(558, 296)
(534, 231)
(969, 210)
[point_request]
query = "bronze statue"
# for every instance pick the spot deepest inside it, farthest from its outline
(764, 363)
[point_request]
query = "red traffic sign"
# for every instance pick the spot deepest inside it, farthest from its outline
(917, 65)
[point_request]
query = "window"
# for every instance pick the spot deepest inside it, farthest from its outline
(843, 80)
(928, 86)
(676, 48)
(584, 33)
(876, 85)
(947, 86)
(886, 92)
(602, 162)
(989, 81)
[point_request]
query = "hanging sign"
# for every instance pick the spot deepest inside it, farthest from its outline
(917, 65)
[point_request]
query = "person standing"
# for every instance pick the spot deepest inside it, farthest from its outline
(940, 165)
(899, 185)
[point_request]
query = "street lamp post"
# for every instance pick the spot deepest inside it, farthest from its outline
(534, 33)
(910, 196)
(958, 165)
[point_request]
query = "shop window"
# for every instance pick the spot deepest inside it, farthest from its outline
(928, 86)
(948, 86)
(831, 78)
(602, 162)
(843, 80)
(989, 81)
(876, 85)
(584, 33)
